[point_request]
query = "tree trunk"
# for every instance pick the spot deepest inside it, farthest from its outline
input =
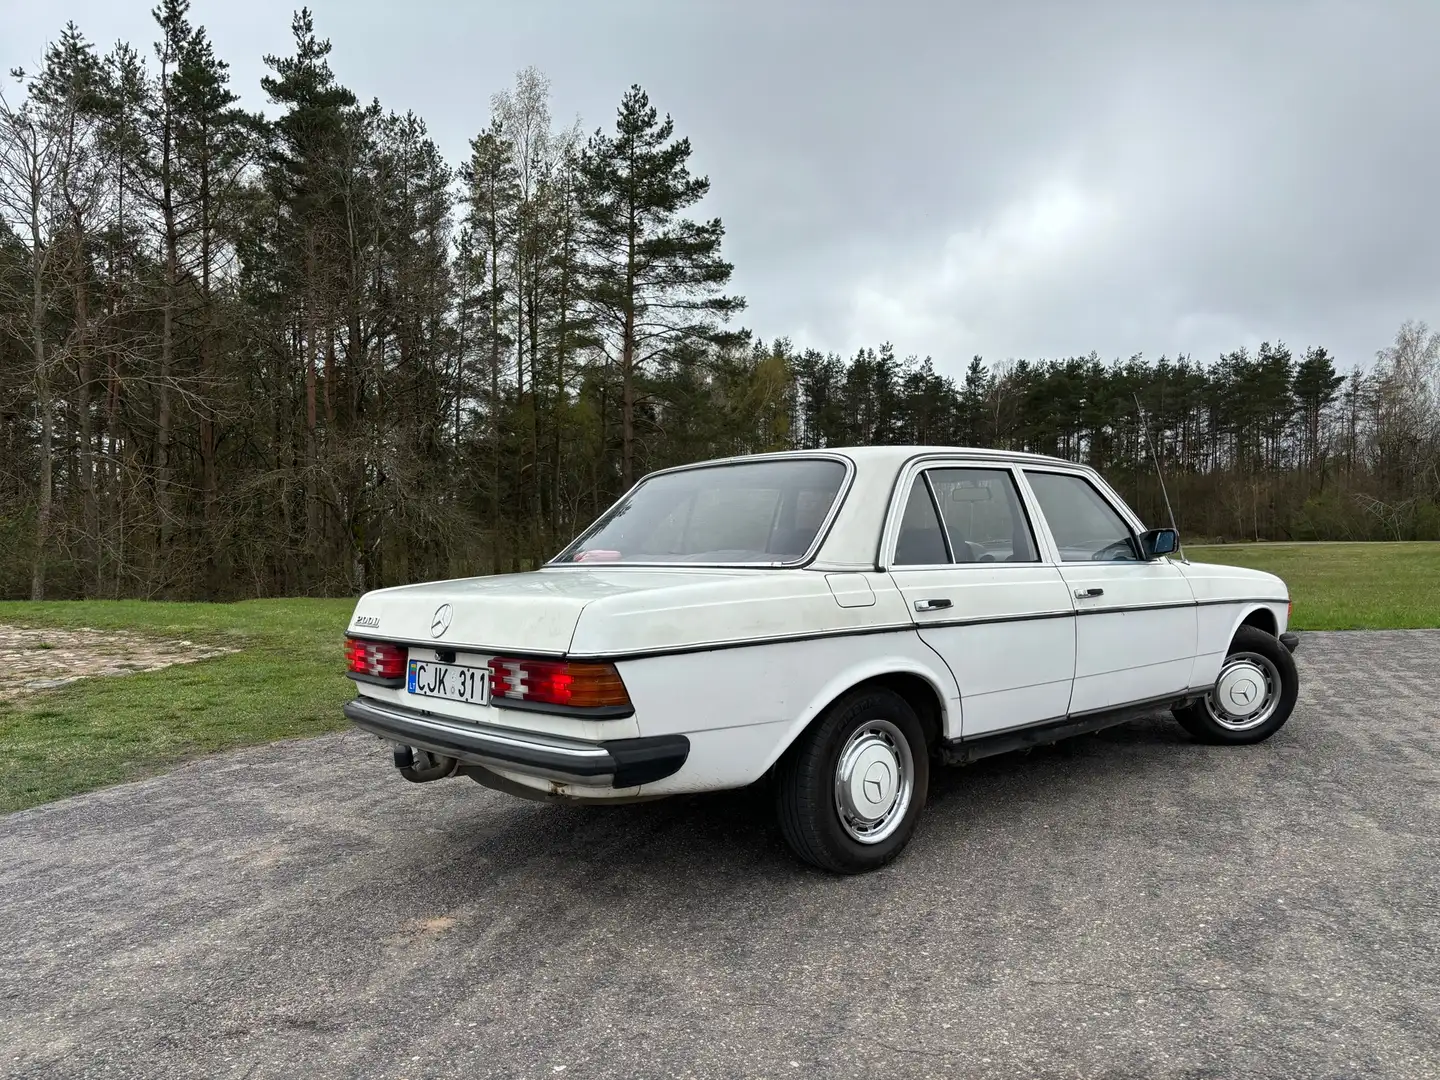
(329, 376)
(46, 493)
(560, 346)
(494, 522)
(116, 473)
(627, 405)
(312, 438)
(209, 482)
(536, 489)
(462, 343)
(163, 419)
(521, 488)
(44, 401)
(167, 342)
(627, 366)
(90, 516)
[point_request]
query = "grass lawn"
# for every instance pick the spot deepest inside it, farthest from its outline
(1347, 586)
(287, 679)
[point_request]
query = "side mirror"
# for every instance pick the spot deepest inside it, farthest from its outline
(1159, 542)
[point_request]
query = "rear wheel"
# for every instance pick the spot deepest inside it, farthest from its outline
(1252, 698)
(851, 788)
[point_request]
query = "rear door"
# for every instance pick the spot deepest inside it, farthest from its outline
(1135, 620)
(964, 556)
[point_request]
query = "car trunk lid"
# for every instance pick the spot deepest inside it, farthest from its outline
(532, 613)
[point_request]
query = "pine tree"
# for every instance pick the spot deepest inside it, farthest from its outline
(568, 325)
(1315, 387)
(492, 194)
(304, 176)
(69, 93)
(655, 277)
(215, 142)
(164, 171)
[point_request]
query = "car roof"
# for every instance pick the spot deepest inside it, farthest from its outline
(896, 455)
(891, 457)
(851, 542)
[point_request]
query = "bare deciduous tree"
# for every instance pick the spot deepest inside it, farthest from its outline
(44, 189)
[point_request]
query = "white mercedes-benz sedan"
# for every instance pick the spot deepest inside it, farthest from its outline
(834, 623)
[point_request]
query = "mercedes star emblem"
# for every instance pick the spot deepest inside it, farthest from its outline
(440, 621)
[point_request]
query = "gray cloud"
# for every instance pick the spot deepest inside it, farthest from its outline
(1040, 178)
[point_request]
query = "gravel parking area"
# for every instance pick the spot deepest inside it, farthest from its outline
(1129, 904)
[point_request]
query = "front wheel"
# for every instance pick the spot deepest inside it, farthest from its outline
(1252, 698)
(853, 785)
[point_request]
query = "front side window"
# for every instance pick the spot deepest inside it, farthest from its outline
(760, 513)
(1086, 527)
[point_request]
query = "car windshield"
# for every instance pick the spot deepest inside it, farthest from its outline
(762, 513)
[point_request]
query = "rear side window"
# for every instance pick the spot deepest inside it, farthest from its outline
(1086, 527)
(980, 519)
(983, 515)
(921, 542)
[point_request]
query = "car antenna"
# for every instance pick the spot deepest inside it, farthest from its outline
(1145, 431)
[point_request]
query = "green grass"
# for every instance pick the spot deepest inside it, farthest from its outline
(286, 681)
(1347, 586)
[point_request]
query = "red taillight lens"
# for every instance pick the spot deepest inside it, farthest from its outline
(551, 682)
(379, 659)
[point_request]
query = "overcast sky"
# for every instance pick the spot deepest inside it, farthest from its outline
(1023, 179)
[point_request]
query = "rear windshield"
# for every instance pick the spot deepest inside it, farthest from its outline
(762, 512)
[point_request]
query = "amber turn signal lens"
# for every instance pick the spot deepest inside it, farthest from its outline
(554, 682)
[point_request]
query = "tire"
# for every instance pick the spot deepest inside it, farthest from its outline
(1254, 657)
(872, 737)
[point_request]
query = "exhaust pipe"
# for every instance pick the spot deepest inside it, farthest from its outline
(426, 768)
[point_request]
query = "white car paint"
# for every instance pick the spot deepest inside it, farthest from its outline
(741, 660)
(1011, 672)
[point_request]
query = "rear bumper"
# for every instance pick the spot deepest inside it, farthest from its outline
(1289, 641)
(614, 763)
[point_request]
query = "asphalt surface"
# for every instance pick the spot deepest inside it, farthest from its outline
(1130, 904)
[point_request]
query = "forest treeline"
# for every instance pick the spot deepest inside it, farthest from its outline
(299, 352)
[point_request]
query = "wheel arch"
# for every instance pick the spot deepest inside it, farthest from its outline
(921, 695)
(932, 693)
(1260, 616)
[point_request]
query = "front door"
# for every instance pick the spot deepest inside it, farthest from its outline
(1135, 624)
(967, 563)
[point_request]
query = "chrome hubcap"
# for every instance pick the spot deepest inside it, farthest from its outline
(874, 781)
(1246, 693)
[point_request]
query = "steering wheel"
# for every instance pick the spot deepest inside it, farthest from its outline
(1109, 551)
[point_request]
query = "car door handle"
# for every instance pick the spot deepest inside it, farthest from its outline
(931, 605)
(1085, 594)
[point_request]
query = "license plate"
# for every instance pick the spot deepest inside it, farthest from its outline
(425, 678)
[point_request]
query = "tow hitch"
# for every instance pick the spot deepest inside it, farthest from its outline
(425, 767)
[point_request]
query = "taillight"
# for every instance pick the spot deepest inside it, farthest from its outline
(379, 659)
(552, 682)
